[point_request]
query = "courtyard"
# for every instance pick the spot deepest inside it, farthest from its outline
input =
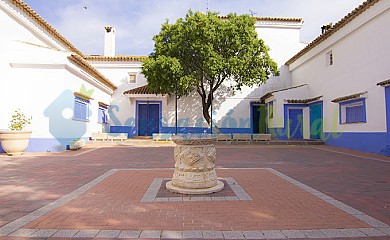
(272, 192)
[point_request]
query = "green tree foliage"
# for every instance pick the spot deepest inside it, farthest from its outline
(202, 51)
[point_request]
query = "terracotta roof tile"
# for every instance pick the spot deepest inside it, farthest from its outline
(304, 101)
(384, 83)
(115, 58)
(139, 90)
(349, 97)
(80, 62)
(352, 15)
(41, 22)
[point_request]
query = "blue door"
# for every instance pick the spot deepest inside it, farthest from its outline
(148, 119)
(316, 121)
(296, 123)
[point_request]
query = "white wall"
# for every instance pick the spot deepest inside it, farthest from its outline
(282, 38)
(361, 52)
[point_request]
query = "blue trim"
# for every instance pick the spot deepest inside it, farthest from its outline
(130, 130)
(363, 100)
(386, 149)
(286, 120)
(373, 142)
(278, 133)
(185, 130)
(137, 102)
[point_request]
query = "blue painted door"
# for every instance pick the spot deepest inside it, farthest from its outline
(148, 119)
(296, 123)
(316, 121)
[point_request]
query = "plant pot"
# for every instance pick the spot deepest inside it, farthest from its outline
(14, 142)
(75, 145)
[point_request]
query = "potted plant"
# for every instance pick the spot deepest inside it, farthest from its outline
(15, 140)
(76, 144)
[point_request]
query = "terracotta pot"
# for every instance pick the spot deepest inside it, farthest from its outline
(14, 142)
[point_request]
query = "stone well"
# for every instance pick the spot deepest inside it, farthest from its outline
(194, 165)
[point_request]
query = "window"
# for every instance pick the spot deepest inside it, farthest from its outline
(132, 77)
(81, 108)
(329, 58)
(353, 111)
(271, 109)
(102, 113)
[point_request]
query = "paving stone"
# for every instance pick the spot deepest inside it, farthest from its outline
(161, 200)
(254, 235)
(150, 234)
(385, 230)
(171, 234)
(217, 199)
(212, 234)
(333, 233)
(108, 234)
(65, 233)
(372, 232)
(44, 233)
(200, 199)
(192, 234)
(232, 198)
(293, 234)
(175, 199)
(313, 233)
(273, 234)
(86, 233)
(233, 235)
(129, 234)
(352, 232)
(23, 232)
(371, 221)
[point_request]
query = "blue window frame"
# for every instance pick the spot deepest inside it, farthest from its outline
(102, 114)
(353, 111)
(81, 109)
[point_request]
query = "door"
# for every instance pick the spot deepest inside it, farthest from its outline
(296, 123)
(316, 122)
(148, 119)
(258, 118)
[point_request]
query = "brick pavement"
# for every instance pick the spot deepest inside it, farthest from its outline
(358, 179)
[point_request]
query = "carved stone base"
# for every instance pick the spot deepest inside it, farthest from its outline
(194, 166)
(218, 187)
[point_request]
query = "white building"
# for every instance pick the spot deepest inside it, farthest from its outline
(47, 78)
(335, 89)
(339, 90)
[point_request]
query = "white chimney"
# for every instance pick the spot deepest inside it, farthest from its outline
(109, 42)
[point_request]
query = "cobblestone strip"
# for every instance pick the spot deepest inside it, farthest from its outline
(20, 222)
(379, 227)
(151, 193)
(237, 189)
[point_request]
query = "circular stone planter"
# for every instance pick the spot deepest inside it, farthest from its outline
(194, 165)
(14, 142)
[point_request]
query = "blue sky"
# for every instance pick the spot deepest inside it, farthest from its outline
(137, 21)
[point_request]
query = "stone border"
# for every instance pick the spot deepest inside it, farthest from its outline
(15, 228)
(151, 194)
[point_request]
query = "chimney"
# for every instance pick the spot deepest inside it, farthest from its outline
(326, 27)
(109, 42)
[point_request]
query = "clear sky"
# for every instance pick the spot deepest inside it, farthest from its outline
(137, 21)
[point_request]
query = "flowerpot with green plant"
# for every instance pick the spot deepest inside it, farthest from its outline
(15, 140)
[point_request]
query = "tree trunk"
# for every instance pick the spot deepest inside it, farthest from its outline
(206, 107)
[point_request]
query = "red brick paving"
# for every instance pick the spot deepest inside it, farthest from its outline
(27, 183)
(277, 204)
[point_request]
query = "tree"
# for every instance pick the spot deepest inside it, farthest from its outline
(202, 51)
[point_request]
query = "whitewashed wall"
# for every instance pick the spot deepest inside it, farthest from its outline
(361, 52)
